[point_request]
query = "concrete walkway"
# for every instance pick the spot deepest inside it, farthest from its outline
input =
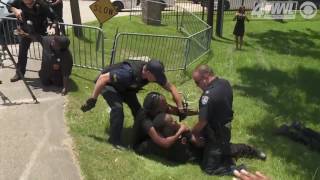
(34, 140)
(34, 143)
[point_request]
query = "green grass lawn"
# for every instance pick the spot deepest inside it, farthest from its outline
(276, 79)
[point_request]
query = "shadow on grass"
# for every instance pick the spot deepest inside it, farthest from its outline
(223, 40)
(293, 42)
(289, 96)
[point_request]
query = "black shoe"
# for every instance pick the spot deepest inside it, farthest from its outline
(0, 82)
(261, 155)
(15, 78)
(116, 144)
(297, 125)
(282, 130)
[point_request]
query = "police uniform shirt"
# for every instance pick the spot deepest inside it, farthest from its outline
(38, 14)
(127, 76)
(215, 104)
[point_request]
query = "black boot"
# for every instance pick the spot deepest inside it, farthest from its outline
(15, 78)
(260, 155)
(117, 144)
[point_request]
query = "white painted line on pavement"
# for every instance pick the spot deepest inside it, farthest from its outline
(39, 147)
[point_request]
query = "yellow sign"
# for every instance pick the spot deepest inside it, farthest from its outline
(103, 10)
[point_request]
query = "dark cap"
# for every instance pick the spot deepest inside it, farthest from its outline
(62, 41)
(157, 69)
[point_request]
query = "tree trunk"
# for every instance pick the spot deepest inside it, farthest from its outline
(76, 18)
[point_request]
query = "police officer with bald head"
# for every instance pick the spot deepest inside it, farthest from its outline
(120, 83)
(214, 124)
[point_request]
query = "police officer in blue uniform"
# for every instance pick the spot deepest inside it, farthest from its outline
(119, 83)
(34, 15)
(214, 125)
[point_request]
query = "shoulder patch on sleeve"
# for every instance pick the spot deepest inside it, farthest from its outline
(204, 100)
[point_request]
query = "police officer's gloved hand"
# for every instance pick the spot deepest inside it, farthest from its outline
(182, 114)
(90, 103)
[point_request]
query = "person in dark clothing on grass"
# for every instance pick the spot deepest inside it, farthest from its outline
(56, 65)
(34, 15)
(299, 133)
(239, 28)
(214, 124)
(120, 83)
(156, 132)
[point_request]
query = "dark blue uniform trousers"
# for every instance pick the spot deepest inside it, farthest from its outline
(115, 100)
(24, 46)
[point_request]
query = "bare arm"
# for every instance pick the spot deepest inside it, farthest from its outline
(176, 96)
(235, 17)
(175, 111)
(196, 130)
(56, 2)
(168, 141)
(197, 141)
(101, 82)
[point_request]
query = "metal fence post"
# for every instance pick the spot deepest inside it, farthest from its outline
(187, 51)
(113, 51)
(102, 48)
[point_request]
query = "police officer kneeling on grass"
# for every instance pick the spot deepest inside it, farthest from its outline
(56, 63)
(215, 116)
(120, 83)
(155, 132)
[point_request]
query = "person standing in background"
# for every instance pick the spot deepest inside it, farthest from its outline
(239, 28)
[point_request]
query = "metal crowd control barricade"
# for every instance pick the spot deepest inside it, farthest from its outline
(176, 52)
(86, 43)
